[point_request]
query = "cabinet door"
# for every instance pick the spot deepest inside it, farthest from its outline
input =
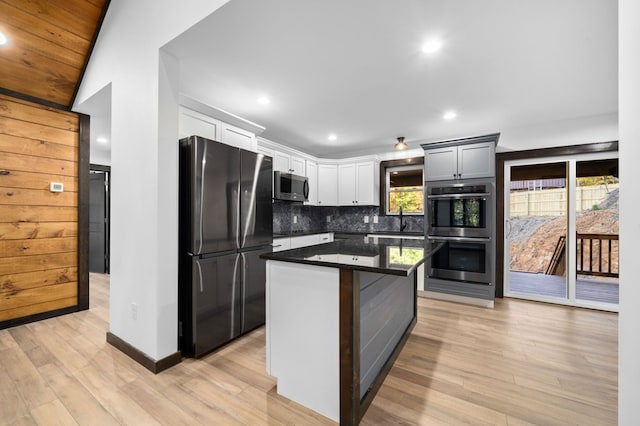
(238, 137)
(347, 184)
(194, 123)
(327, 184)
(441, 163)
(366, 185)
(281, 162)
(326, 237)
(297, 166)
(312, 174)
(476, 160)
(280, 244)
(265, 151)
(304, 241)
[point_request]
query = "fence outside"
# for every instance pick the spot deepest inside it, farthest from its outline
(553, 202)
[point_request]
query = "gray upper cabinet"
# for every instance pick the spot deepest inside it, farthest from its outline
(448, 161)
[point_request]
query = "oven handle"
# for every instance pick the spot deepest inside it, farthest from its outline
(457, 196)
(463, 239)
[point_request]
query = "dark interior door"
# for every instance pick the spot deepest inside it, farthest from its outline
(98, 222)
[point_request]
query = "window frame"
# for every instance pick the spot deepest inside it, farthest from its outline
(385, 167)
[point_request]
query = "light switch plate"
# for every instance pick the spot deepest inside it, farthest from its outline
(375, 218)
(366, 219)
(56, 187)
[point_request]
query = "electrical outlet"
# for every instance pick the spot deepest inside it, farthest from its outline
(328, 219)
(375, 218)
(134, 311)
(366, 219)
(295, 219)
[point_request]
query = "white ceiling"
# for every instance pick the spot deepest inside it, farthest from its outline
(355, 68)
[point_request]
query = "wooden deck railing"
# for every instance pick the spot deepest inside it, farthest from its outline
(596, 254)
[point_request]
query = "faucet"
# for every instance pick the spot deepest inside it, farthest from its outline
(403, 224)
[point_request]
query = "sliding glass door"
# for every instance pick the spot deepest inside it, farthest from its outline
(561, 230)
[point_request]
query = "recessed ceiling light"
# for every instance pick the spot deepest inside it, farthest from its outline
(432, 46)
(102, 139)
(450, 115)
(332, 137)
(4, 40)
(264, 100)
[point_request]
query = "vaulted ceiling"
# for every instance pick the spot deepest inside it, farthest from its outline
(49, 42)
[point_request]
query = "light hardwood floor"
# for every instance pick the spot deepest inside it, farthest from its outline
(520, 363)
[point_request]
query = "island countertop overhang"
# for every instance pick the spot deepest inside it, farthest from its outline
(393, 256)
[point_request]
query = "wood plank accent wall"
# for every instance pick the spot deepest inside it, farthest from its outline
(50, 44)
(38, 228)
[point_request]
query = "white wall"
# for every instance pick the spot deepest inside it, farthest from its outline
(629, 336)
(143, 163)
(578, 131)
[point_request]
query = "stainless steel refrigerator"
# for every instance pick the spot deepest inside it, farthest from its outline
(226, 223)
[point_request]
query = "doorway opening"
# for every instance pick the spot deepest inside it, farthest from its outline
(99, 218)
(561, 230)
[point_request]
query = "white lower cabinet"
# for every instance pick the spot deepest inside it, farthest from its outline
(280, 244)
(304, 241)
(372, 261)
(287, 243)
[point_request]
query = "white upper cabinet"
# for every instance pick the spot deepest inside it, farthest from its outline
(265, 151)
(287, 163)
(359, 184)
(238, 137)
(347, 184)
(312, 175)
(476, 160)
(460, 162)
(327, 184)
(194, 123)
(368, 183)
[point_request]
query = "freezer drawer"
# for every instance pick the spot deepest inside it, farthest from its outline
(253, 289)
(216, 301)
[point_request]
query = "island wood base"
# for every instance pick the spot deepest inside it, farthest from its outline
(316, 320)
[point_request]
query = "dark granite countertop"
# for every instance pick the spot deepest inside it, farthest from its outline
(298, 234)
(344, 234)
(394, 256)
(394, 233)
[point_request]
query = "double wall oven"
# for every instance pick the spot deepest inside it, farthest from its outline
(460, 214)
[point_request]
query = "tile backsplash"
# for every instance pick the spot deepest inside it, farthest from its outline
(294, 217)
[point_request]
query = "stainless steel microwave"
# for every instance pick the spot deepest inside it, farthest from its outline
(290, 187)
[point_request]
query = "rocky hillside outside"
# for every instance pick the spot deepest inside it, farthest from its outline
(533, 239)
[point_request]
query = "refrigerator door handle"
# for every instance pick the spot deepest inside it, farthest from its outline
(201, 212)
(200, 276)
(238, 214)
(233, 297)
(243, 291)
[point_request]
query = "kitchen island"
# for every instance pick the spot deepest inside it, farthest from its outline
(337, 316)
